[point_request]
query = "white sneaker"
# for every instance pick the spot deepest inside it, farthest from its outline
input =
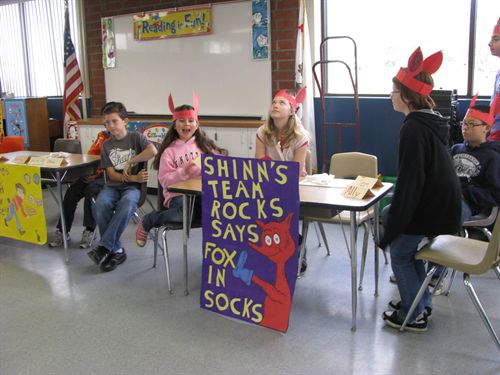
(58, 239)
(87, 237)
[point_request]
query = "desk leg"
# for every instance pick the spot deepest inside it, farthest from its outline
(376, 234)
(185, 209)
(61, 213)
(354, 265)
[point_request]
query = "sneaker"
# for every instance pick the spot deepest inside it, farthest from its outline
(98, 254)
(392, 319)
(438, 289)
(141, 236)
(58, 239)
(113, 260)
(396, 305)
(392, 279)
(87, 237)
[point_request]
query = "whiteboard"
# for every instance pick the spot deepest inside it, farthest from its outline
(218, 66)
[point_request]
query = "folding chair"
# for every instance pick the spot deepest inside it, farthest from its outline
(472, 257)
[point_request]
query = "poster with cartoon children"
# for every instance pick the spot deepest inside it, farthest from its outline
(22, 215)
(250, 217)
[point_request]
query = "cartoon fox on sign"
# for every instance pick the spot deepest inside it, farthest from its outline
(278, 246)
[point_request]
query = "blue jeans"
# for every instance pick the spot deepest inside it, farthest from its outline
(466, 215)
(112, 210)
(160, 217)
(410, 273)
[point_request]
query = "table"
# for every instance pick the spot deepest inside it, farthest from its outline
(310, 196)
(77, 165)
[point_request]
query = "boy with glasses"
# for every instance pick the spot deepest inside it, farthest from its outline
(477, 161)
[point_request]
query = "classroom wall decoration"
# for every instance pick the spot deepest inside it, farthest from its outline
(22, 216)
(250, 215)
(260, 29)
(189, 21)
(108, 43)
(1, 116)
(154, 132)
(15, 119)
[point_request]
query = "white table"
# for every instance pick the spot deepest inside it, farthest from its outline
(310, 196)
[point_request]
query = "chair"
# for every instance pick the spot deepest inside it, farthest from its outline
(11, 143)
(472, 257)
(163, 230)
(72, 146)
(349, 165)
(480, 222)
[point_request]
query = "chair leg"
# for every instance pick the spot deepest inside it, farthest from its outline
(363, 255)
(385, 257)
(167, 262)
(486, 232)
(155, 247)
(318, 235)
(418, 297)
(448, 288)
(323, 234)
(497, 271)
(480, 309)
(305, 229)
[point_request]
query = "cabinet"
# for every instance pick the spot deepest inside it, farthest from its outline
(29, 118)
(239, 142)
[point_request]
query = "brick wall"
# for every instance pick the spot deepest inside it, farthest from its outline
(284, 17)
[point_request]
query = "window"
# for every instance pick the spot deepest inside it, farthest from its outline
(32, 46)
(385, 42)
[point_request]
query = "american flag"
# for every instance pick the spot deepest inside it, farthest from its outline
(73, 84)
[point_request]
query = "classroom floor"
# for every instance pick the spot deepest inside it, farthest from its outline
(73, 319)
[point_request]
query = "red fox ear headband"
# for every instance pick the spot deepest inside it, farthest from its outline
(186, 113)
(416, 64)
(487, 118)
(496, 29)
(294, 101)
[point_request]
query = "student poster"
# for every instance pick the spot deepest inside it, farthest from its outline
(22, 215)
(250, 216)
(15, 119)
(153, 131)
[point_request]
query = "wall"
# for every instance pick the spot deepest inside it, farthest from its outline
(283, 38)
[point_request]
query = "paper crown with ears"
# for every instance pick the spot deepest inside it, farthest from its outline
(416, 64)
(496, 29)
(488, 118)
(186, 113)
(294, 100)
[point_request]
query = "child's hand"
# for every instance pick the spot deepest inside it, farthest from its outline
(126, 169)
(192, 170)
(142, 176)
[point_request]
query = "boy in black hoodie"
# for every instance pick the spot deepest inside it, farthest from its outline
(427, 199)
(477, 163)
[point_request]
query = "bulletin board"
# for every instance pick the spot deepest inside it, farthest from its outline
(218, 66)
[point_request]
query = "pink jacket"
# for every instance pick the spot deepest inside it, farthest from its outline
(173, 165)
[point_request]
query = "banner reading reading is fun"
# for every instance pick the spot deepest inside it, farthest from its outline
(21, 204)
(173, 23)
(250, 213)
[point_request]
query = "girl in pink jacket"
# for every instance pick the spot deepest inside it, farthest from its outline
(175, 162)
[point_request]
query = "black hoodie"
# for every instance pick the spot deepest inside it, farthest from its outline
(478, 169)
(427, 198)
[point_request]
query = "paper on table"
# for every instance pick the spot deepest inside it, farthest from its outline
(324, 179)
(59, 154)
